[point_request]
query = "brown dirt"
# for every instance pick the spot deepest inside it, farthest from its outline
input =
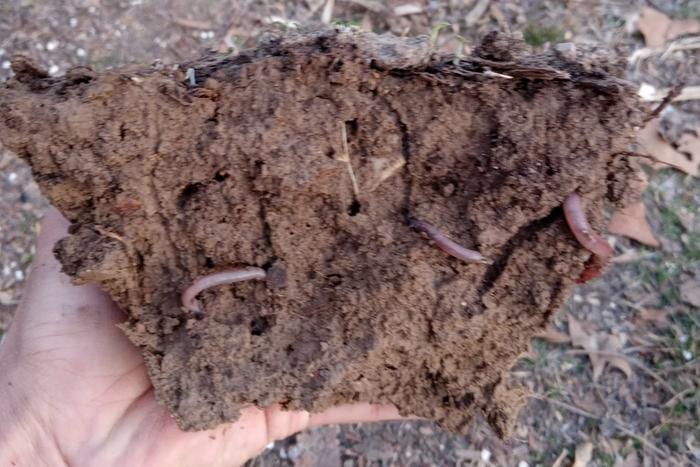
(165, 182)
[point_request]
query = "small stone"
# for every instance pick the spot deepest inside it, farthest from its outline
(595, 301)
(6, 65)
(12, 177)
(523, 464)
(52, 45)
(577, 298)
(485, 455)
(425, 431)
(687, 355)
(53, 69)
(73, 22)
(80, 52)
(19, 275)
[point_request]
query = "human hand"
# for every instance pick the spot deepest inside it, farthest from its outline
(75, 391)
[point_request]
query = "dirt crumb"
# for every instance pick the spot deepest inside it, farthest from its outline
(307, 157)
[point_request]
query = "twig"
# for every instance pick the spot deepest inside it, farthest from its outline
(327, 13)
(651, 158)
(631, 360)
(345, 157)
(107, 233)
(678, 396)
(560, 460)
(672, 94)
(618, 425)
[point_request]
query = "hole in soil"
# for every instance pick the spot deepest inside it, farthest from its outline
(551, 171)
(221, 175)
(122, 132)
(351, 127)
(208, 262)
(259, 326)
(330, 153)
(354, 208)
(188, 192)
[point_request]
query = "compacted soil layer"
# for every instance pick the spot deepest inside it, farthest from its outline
(308, 157)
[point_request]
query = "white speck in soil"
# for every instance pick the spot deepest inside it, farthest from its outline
(39, 46)
(463, 303)
(53, 69)
(485, 455)
(52, 45)
(612, 305)
(5, 65)
(73, 22)
(2, 51)
(19, 275)
(6, 270)
(523, 464)
(594, 301)
(577, 298)
(12, 177)
(683, 338)
(80, 52)
(687, 355)
(270, 446)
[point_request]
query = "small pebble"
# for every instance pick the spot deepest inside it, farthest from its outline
(612, 305)
(683, 338)
(463, 303)
(485, 455)
(73, 22)
(688, 355)
(53, 69)
(52, 45)
(6, 270)
(523, 464)
(595, 301)
(5, 65)
(12, 177)
(19, 276)
(80, 52)
(270, 446)
(577, 298)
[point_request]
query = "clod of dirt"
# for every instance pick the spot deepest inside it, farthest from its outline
(307, 157)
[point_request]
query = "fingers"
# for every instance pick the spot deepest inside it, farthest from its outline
(355, 413)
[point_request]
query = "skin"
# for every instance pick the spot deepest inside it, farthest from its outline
(75, 391)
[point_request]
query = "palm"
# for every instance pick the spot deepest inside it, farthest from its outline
(90, 388)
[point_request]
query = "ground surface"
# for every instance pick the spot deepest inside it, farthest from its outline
(642, 308)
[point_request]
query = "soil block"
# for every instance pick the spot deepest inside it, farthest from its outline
(310, 157)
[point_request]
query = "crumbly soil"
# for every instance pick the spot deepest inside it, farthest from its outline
(165, 181)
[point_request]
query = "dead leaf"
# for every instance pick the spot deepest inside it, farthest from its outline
(594, 343)
(584, 452)
(589, 342)
(654, 316)
(631, 222)
(613, 344)
(686, 158)
(559, 462)
(552, 335)
(690, 292)
(657, 28)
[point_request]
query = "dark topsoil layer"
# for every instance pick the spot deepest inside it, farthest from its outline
(166, 181)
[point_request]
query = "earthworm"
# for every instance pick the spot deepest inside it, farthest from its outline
(229, 276)
(447, 245)
(576, 218)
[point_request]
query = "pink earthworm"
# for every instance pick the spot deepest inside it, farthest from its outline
(229, 276)
(447, 245)
(576, 218)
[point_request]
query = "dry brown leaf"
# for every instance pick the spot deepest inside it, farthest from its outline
(690, 292)
(657, 317)
(650, 141)
(613, 343)
(657, 28)
(594, 343)
(552, 335)
(589, 342)
(560, 460)
(631, 222)
(584, 452)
